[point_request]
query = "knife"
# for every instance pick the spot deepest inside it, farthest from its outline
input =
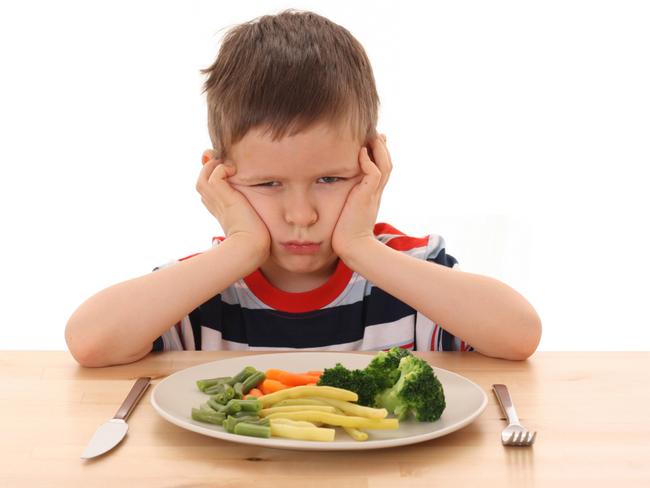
(110, 433)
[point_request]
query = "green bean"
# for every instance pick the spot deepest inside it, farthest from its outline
(226, 395)
(246, 405)
(242, 375)
(242, 414)
(232, 420)
(208, 382)
(254, 430)
(216, 406)
(229, 424)
(232, 408)
(226, 406)
(252, 381)
(205, 416)
(214, 389)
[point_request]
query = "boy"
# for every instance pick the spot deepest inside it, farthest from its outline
(295, 179)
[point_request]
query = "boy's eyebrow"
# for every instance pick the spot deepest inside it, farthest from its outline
(334, 171)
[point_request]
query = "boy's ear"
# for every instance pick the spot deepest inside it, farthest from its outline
(208, 154)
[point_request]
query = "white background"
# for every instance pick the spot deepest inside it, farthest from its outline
(520, 132)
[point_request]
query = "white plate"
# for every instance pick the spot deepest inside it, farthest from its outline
(174, 397)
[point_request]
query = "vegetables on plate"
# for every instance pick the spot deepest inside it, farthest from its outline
(305, 406)
(396, 380)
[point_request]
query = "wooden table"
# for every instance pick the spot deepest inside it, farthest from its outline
(591, 411)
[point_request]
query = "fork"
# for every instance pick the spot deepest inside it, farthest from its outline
(514, 434)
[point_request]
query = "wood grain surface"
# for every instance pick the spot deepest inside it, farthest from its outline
(591, 411)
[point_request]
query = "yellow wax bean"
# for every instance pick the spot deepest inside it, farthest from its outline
(299, 401)
(306, 391)
(302, 433)
(340, 420)
(357, 410)
(356, 434)
(295, 423)
(296, 408)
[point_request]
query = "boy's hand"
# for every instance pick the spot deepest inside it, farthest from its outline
(357, 220)
(237, 217)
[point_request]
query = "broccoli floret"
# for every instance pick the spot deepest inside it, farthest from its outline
(356, 380)
(417, 392)
(396, 380)
(384, 366)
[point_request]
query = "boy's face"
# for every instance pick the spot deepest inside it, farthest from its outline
(298, 186)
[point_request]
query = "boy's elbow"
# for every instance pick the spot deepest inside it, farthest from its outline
(519, 344)
(96, 354)
(79, 346)
(532, 334)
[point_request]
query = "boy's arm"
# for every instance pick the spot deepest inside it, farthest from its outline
(119, 324)
(488, 314)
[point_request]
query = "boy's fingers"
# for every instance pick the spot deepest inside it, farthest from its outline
(207, 169)
(204, 174)
(221, 172)
(382, 159)
(216, 187)
(372, 175)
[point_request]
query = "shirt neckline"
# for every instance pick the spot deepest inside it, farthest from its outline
(306, 301)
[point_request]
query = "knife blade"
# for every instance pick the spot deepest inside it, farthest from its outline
(111, 433)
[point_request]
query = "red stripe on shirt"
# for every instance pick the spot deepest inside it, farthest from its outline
(190, 256)
(401, 242)
(433, 338)
(301, 301)
(403, 346)
(407, 243)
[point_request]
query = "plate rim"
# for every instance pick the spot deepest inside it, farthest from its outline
(294, 444)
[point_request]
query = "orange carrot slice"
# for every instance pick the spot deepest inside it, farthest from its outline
(254, 393)
(270, 385)
(289, 378)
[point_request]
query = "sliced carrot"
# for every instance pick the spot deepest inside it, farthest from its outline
(270, 385)
(314, 373)
(254, 393)
(289, 378)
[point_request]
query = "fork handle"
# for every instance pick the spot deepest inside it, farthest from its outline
(505, 402)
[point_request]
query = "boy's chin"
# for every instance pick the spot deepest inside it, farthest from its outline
(305, 264)
(302, 265)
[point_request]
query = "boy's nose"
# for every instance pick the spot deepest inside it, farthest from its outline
(299, 211)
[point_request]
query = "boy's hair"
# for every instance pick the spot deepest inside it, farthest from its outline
(286, 72)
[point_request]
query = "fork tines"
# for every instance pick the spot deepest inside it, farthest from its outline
(521, 439)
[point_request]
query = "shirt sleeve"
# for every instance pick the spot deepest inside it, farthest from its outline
(431, 336)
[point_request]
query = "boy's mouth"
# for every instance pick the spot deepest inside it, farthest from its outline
(301, 247)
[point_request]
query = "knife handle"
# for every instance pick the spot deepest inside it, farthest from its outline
(132, 398)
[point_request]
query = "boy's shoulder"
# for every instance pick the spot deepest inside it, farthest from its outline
(430, 247)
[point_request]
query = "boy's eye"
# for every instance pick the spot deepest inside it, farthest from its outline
(323, 179)
(331, 179)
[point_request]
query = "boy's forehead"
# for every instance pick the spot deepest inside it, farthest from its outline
(316, 148)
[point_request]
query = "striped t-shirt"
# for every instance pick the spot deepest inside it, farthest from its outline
(346, 313)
